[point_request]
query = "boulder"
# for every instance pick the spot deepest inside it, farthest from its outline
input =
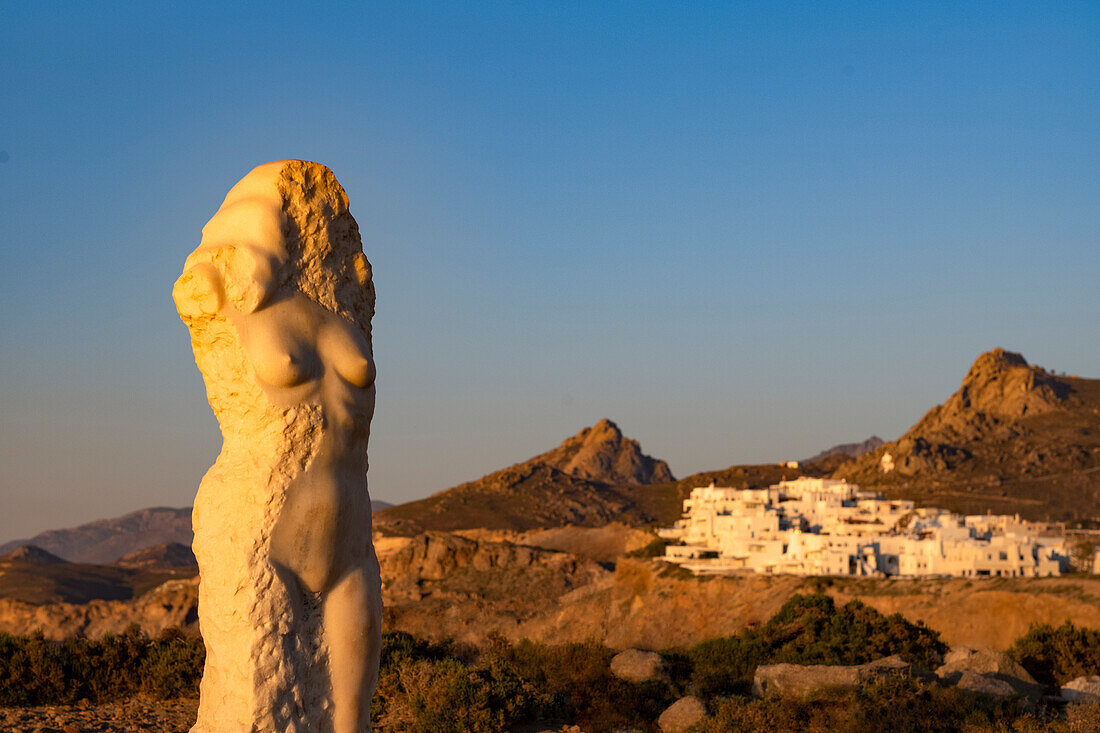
(800, 680)
(982, 684)
(981, 661)
(988, 672)
(636, 665)
(1083, 689)
(681, 715)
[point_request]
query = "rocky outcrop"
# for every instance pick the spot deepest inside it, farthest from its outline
(636, 665)
(443, 567)
(1013, 438)
(797, 680)
(1000, 389)
(682, 715)
(601, 453)
(1082, 689)
(982, 661)
(983, 684)
(174, 603)
(987, 672)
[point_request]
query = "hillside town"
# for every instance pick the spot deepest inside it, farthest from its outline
(817, 526)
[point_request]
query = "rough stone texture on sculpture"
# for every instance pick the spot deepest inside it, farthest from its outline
(278, 299)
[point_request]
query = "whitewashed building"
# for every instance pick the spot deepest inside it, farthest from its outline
(812, 526)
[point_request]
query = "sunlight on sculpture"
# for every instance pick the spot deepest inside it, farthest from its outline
(278, 299)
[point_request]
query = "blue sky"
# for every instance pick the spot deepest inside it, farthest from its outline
(745, 232)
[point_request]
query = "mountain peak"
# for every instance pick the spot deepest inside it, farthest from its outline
(601, 453)
(1002, 385)
(605, 429)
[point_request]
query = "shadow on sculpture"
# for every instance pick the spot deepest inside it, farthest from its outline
(278, 299)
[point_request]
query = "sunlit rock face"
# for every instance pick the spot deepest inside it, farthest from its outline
(278, 299)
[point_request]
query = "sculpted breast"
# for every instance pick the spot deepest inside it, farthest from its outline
(281, 358)
(345, 347)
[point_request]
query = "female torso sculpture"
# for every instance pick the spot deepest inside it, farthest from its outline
(278, 298)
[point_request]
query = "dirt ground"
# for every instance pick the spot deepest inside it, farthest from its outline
(170, 716)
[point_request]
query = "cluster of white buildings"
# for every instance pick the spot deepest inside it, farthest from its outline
(812, 526)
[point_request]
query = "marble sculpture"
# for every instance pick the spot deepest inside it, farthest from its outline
(278, 300)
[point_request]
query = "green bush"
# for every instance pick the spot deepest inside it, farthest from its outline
(575, 684)
(809, 629)
(35, 671)
(895, 706)
(1054, 656)
(446, 696)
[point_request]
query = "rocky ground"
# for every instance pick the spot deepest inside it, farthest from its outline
(133, 715)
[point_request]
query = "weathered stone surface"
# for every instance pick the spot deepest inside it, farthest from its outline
(988, 672)
(982, 661)
(800, 680)
(636, 665)
(1082, 689)
(983, 684)
(681, 715)
(278, 300)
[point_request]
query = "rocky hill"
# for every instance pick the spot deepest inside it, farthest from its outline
(1013, 438)
(445, 568)
(589, 480)
(601, 453)
(521, 497)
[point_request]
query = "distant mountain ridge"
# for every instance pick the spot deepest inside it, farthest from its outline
(105, 540)
(167, 555)
(852, 450)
